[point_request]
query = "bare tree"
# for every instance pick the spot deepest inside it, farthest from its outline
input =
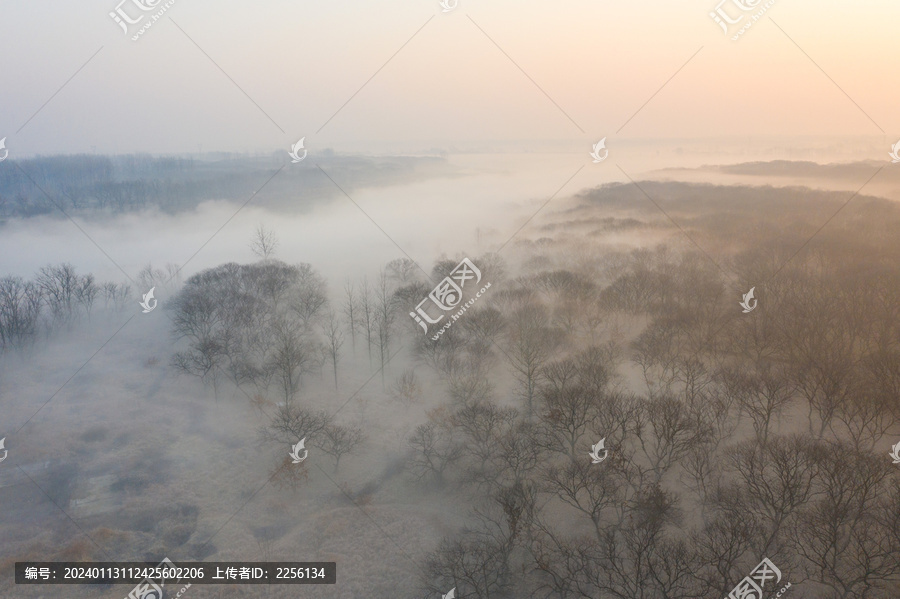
(640, 555)
(722, 546)
(571, 399)
(849, 537)
(407, 388)
(480, 561)
(871, 410)
(569, 413)
(667, 432)
(434, 451)
(59, 288)
(385, 315)
(763, 393)
(351, 311)
(264, 243)
(293, 356)
(173, 274)
(337, 441)
(483, 424)
(151, 277)
(86, 292)
(20, 310)
(474, 566)
(206, 360)
(657, 351)
(367, 318)
(334, 340)
(290, 423)
(824, 359)
(110, 291)
(402, 271)
(309, 296)
(471, 387)
(594, 492)
(116, 296)
(531, 344)
(773, 481)
(485, 323)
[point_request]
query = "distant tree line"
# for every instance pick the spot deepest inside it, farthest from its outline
(86, 184)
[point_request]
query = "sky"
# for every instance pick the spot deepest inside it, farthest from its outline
(401, 75)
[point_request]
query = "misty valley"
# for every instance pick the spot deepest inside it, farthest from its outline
(613, 416)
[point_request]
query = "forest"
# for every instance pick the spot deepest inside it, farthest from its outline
(729, 437)
(93, 185)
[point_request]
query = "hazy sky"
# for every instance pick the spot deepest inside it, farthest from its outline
(450, 86)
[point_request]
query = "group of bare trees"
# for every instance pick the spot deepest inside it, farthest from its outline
(266, 325)
(257, 324)
(371, 310)
(730, 437)
(57, 297)
(292, 422)
(750, 437)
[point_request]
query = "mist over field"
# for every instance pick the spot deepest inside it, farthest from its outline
(471, 300)
(729, 435)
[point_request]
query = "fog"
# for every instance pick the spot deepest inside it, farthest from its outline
(477, 204)
(613, 312)
(466, 202)
(473, 300)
